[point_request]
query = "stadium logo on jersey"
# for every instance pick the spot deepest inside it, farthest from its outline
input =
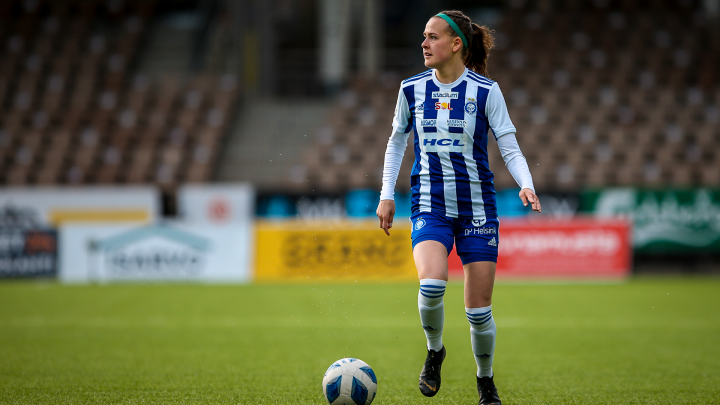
(419, 224)
(493, 242)
(443, 106)
(471, 106)
(445, 94)
(456, 123)
(428, 123)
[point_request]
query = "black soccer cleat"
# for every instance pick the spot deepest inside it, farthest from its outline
(487, 391)
(430, 375)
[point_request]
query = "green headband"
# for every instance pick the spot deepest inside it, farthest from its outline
(454, 27)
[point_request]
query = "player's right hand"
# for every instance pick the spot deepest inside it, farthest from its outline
(386, 212)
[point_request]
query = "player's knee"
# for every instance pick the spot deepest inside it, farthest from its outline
(478, 294)
(478, 300)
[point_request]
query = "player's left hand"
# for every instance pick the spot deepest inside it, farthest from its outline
(527, 196)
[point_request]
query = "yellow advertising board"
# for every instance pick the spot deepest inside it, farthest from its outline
(332, 251)
(59, 216)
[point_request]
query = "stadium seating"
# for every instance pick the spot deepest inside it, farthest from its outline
(71, 113)
(601, 95)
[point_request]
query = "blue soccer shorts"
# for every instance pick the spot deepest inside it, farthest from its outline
(475, 241)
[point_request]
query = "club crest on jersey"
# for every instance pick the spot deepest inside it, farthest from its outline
(445, 94)
(419, 223)
(443, 106)
(471, 106)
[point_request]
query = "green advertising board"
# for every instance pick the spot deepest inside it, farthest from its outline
(670, 221)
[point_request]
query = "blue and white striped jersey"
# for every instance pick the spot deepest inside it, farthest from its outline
(451, 175)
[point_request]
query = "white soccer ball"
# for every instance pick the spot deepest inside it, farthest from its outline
(349, 382)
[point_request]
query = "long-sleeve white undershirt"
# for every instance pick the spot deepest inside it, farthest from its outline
(515, 161)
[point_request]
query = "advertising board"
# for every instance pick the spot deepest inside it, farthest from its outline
(27, 247)
(359, 251)
(218, 204)
(354, 205)
(571, 248)
(27, 253)
(51, 206)
(332, 251)
(671, 221)
(165, 252)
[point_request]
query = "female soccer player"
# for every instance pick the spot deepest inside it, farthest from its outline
(451, 108)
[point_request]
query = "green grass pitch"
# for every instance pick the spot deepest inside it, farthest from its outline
(647, 341)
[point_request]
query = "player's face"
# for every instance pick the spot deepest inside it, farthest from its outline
(438, 44)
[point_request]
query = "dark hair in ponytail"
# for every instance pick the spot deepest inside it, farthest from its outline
(480, 41)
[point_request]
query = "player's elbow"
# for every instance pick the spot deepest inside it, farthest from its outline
(512, 156)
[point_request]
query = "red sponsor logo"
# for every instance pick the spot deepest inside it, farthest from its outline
(575, 248)
(219, 210)
(40, 242)
(443, 106)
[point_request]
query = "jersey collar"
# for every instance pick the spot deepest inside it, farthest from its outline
(451, 85)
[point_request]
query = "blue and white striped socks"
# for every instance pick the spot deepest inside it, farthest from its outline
(482, 324)
(432, 312)
(482, 336)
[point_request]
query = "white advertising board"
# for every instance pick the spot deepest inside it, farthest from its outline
(164, 252)
(51, 206)
(220, 204)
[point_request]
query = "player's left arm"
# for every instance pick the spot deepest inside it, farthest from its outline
(518, 167)
(504, 130)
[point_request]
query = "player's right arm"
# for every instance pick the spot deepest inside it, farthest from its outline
(393, 158)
